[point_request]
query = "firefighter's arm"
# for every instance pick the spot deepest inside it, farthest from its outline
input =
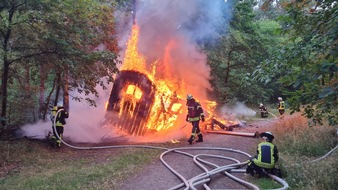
(275, 153)
(202, 118)
(200, 110)
(66, 114)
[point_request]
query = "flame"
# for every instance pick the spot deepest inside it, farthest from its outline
(135, 91)
(133, 59)
(211, 106)
(167, 105)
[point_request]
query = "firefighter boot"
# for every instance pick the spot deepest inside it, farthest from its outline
(53, 142)
(191, 139)
(200, 138)
(58, 143)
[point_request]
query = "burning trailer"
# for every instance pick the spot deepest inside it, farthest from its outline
(133, 99)
(146, 97)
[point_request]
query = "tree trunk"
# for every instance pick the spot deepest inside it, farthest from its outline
(227, 72)
(4, 92)
(42, 104)
(4, 84)
(48, 99)
(58, 87)
(66, 91)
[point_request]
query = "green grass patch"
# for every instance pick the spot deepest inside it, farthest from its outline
(267, 183)
(43, 168)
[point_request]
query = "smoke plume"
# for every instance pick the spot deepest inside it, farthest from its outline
(183, 25)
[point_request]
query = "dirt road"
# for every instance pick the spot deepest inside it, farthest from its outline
(156, 175)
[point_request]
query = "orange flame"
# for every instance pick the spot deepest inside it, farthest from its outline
(167, 105)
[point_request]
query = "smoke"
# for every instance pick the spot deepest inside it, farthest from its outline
(184, 25)
(83, 125)
(181, 27)
(238, 110)
(191, 24)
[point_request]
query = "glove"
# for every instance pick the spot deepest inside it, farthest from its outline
(203, 119)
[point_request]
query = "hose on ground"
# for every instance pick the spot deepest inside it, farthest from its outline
(202, 178)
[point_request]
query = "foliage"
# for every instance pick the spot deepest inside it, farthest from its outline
(83, 40)
(246, 44)
(44, 40)
(307, 64)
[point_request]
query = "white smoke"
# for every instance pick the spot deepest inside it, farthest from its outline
(83, 125)
(238, 110)
(191, 24)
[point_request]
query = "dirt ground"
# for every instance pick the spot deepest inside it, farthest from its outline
(156, 175)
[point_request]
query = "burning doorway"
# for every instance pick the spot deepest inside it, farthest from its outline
(134, 98)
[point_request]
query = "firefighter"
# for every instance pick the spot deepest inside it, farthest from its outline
(267, 156)
(281, 106)
(263, 110)
(60, 121)
(195, 114)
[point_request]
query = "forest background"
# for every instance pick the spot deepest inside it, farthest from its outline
(53, 49)
(269, 49)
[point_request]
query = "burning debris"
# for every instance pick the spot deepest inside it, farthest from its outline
(146, 96)
(146, 102)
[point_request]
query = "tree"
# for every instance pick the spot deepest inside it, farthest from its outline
(307, 64)
(233, 60)
(76, 43)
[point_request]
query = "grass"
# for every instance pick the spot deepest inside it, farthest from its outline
(37, 167)
(299, 144)
(27, 164)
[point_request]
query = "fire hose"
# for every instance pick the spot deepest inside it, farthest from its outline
(202, 178)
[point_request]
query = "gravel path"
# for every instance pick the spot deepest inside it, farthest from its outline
(156, 176)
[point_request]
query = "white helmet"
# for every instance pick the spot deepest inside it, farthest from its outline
(280, 98)
(59, 105)
(189, 97)
(260, 105)
(268, 135)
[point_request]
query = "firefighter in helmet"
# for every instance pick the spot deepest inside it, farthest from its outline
(281, 106)
(195, 114)
(263, 110)
(59, 114)
(267, 156)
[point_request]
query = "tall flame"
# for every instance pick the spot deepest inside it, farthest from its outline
(165, 110)
(168, 102)
(133, 60)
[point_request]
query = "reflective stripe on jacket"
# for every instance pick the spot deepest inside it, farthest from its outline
(281, 105)
(266, 155)
(61, 117)
(195, 111)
